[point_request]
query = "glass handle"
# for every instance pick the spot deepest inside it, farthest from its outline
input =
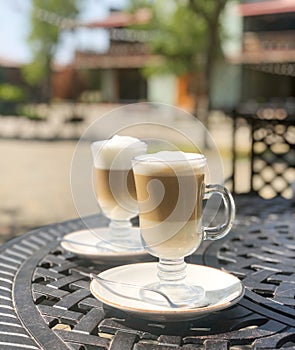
(217, 232)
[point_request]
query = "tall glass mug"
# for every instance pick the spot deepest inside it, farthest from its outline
(170, 189)
(115, 188)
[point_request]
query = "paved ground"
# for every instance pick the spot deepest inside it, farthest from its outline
(35, 186)
(35, 174)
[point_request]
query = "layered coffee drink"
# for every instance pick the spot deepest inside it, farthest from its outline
(113, 176)
(116, 194)
(169, 189)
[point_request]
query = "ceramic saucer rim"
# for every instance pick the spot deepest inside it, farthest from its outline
(99, 254)
(171, 312)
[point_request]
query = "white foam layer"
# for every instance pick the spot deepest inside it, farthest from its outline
(169, 162)
(117, 152)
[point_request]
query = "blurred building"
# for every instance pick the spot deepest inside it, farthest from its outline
(116, 75)
(10, 72)
(263, 67)
(259, 60)
(117, 71)
(12, 86)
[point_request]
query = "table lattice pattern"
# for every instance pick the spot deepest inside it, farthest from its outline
(45, 302)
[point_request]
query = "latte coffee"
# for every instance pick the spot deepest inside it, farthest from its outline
(116, 194)
(113, 176)
(169, 189)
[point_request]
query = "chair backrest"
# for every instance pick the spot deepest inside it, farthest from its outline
(272, 157)
(272, 154)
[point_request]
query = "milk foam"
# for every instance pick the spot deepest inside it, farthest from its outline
(169, 162)
(117, 152)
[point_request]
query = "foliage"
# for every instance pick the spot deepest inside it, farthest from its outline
(11, 93)
(35, 71)
(30, 112)
(187, 35)
(44, 37)
(179, 36)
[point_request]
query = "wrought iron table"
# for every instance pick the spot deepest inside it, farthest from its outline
(45, 302)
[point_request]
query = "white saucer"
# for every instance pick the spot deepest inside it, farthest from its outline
(87, 243)
(212, 280)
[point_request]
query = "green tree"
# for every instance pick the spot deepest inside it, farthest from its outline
(187, 35)
(48, 19)
(210, 12)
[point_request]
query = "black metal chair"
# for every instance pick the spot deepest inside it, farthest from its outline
(272, 153)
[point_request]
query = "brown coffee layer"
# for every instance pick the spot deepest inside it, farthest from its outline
(179, 200)
(116, 193)
(112, 183)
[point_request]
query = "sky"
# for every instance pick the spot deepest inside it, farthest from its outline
(15, 28)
